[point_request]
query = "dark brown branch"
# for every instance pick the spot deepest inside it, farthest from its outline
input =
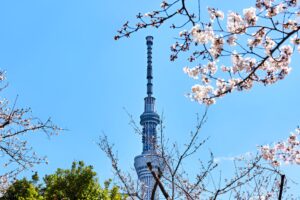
(281, 186)
(159, 174)
(156, 178)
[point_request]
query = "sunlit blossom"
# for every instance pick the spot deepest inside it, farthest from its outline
(250, 15)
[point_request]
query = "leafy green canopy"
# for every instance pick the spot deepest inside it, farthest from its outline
(22, 190)
(79, 182)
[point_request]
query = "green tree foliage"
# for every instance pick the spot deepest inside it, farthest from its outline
(22, 190)
(111, 194)
(78, 183)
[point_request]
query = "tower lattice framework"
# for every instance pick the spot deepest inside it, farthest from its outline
(149, 120)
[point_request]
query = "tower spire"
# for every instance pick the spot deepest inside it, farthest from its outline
(149, 43)
(149, 120)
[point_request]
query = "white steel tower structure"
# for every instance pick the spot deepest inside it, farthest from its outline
(149, 120)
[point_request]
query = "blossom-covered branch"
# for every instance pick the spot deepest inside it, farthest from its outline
(234, 50)
(283, 152)
(15, 124)
(158, 17)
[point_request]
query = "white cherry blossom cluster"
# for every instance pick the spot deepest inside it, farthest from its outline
(287, 152)
(4, 183)
(202, 92)
(250, 46)
(235, 23)
(192, 72)
(257, 38)
(202, 36)
(250, 15)
(296, 41)
(265, 58)
(213, 14)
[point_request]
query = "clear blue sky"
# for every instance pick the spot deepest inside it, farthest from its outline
(62, 61)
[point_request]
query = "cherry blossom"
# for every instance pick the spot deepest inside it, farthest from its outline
(202, 36)
(228, 52)
(250, 15)
(15, 124)
(256, 43)
(235, 23)
(213, 13)
(287, 152)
